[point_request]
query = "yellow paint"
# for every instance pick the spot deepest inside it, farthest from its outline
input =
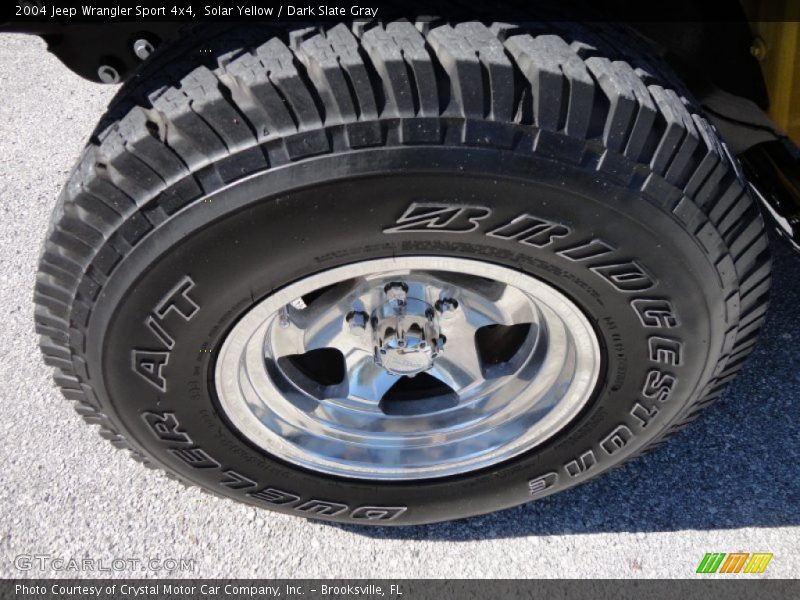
(758, 562)
(777, 47)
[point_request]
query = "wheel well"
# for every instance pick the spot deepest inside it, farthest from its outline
(704, 42)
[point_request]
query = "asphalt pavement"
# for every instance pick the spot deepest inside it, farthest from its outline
(730, 482)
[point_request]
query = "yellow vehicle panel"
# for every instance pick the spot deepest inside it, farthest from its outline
(777, 47)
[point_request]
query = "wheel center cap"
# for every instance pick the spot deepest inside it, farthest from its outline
(406, 336)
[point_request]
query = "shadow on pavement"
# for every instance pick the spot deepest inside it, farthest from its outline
(737, 466)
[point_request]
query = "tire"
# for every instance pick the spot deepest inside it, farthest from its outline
(564, 153)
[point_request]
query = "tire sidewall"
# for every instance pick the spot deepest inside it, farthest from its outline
(232, 249)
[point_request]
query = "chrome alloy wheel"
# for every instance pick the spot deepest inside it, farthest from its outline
(407, 368)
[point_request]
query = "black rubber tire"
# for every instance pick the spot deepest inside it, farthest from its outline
(563, 151)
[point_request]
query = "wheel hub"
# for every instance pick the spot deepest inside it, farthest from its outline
(405, 333)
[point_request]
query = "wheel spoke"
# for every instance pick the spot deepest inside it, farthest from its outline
(459, 364)
(321, 324)
(333, 333)
(365, 379)
(286, 340)
(289, 339)
(489, 302)
(510, 307)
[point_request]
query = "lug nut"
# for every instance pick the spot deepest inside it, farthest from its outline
(357, 320)
(108, 74)
(446, 305)
(396, 290)
(142, 48)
